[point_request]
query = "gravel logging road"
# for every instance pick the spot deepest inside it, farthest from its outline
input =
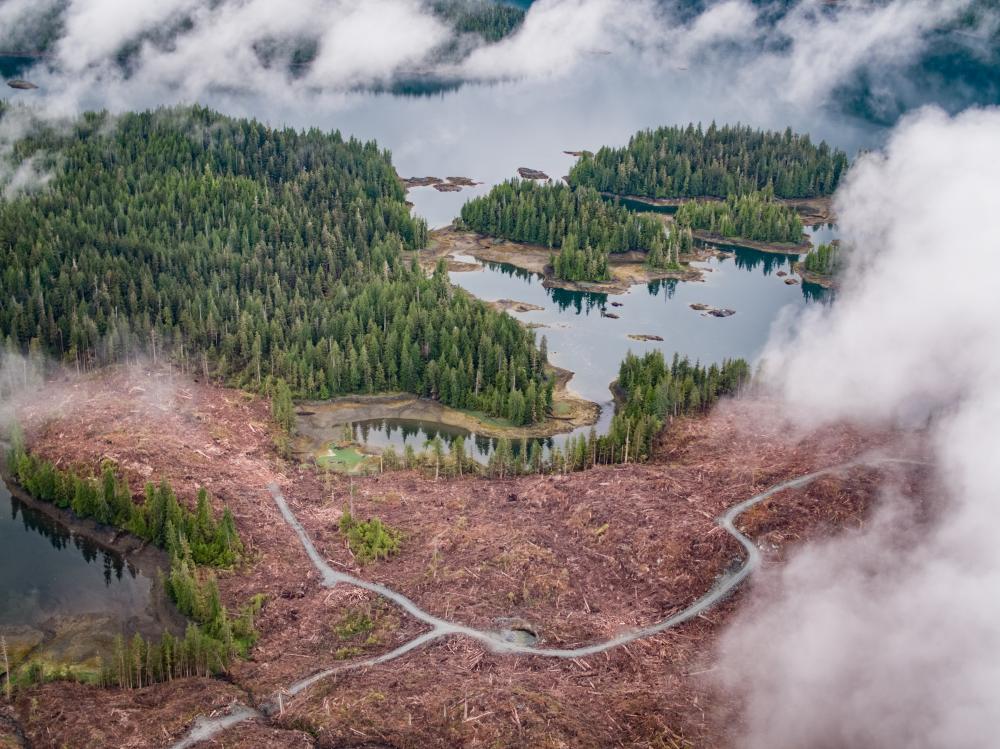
(205, 728)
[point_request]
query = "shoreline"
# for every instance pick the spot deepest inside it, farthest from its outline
(807, 276)
(317, 421)
(812, 211)
(628, 269)
(142, 555)
(774, 248)
(147, 560)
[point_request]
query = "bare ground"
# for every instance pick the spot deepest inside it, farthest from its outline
(579, 557)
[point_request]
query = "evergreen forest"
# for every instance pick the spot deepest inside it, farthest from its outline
(689, 162)
(546, 214)
(247, 254)
(825, 260)
(756, 216)
(492, 21)
(580, 223)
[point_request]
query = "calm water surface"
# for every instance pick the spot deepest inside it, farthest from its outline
(583, 339)
(47, 571)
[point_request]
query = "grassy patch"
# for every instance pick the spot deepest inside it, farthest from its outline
(348, 459)
(355, 622)
(493, 421)
(343, 654)
(39, 670)
(370, 539)
(363, 628)
(560, 408)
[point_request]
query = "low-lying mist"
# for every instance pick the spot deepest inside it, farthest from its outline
(888, 637)
(125, 55)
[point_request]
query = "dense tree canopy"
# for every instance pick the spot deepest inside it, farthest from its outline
(825, 260)
(688, 162)
(490, 20)
(545, 214)
(575, 263)
(586, 226)
(755, 216)
(651, 392)
(249, 253)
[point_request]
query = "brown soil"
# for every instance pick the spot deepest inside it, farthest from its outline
(73, 715)
(644, 337)
(511, 305)
(827, 282)
(814, 211)
(410, 182)
(527, 173)
(580, 557)
(449, 184)
(707, 309)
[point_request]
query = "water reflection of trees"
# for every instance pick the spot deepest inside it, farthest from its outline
(402, 432)
(750, 260)
(639, 206)
(513, 271)
(816, 293)
(666, 285)
(578, 301)
(61, 537)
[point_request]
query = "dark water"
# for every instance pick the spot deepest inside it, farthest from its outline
(581, 339)
(642, 207)
(379, 434)
(14, 66)
(47, 571)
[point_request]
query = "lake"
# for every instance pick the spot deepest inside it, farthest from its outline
(63, 594)
(583, 340)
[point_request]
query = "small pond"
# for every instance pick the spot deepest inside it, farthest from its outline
(62, 596)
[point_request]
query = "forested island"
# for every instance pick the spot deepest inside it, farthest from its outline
(582, 225)
(754, 216)
(488, 20)
(689, 162)
(546, 214)
(822, 265)
(249, 254)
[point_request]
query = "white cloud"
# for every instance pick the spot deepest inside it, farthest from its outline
(826, 47)
(372, 39)
(96, 29)
(558, 34)
(813, 50)
(888, 637)
(18, 19)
